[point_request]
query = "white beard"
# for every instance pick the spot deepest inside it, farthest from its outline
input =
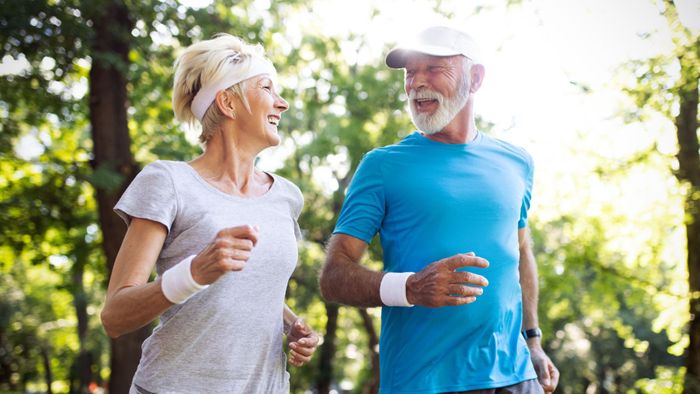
(445, 113)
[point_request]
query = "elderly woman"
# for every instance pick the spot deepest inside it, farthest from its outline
(222, 236)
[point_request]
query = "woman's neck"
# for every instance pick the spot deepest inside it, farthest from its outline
(228, 163)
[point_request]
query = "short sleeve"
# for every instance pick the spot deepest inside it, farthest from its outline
(525, 206)
(151, 195)
(364, 206)
(297, 206)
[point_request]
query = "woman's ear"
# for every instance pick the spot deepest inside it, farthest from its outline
(225, 101)
(477, 77)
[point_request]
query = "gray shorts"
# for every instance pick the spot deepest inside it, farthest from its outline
(527, 387)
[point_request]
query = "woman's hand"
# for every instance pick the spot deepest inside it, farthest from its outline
(302, 341)
(229, 251)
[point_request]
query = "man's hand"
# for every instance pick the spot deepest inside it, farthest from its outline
(302, 341)
(439, 284)
(228, 251)
(547, 373)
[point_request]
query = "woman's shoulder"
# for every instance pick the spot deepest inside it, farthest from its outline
(165, 165)
(171, 169)
(286, 185)
(290, 192)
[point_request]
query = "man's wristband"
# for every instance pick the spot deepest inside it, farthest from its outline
(392, 290)
(532, 333)
(178, 284)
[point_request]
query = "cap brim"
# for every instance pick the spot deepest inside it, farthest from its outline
(397, 57)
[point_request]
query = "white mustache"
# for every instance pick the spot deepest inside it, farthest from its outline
(425, 94)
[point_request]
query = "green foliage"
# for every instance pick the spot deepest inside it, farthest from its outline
(599, 304)
(668, 381)
(591, 303)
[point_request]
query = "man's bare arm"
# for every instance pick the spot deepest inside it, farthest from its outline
(528, 280)
(343, 279)
(547, 373)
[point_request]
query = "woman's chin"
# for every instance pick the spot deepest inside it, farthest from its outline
(273, 139)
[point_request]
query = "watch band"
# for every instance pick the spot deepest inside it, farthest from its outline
(531, 333)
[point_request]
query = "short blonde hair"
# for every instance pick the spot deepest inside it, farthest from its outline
(204, 62)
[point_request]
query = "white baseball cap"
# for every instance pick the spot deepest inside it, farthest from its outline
(435, 41)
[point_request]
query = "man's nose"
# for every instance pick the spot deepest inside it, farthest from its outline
(416, 82)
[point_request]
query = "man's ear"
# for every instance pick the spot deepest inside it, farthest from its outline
(477, 77)
(225, 101)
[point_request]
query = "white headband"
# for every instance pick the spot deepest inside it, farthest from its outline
(206, 95)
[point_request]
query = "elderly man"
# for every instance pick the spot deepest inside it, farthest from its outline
(459, 287)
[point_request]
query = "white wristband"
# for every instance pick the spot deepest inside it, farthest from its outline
(393, 289)
(178, 284)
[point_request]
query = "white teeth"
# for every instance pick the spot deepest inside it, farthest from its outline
(273, 120)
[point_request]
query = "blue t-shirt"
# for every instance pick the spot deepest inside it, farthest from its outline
(429, 200)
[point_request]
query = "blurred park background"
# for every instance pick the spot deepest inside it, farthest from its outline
(604, 94)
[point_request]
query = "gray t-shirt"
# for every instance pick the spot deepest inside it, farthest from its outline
(228, 337)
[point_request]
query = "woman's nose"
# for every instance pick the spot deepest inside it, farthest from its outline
(282, 104)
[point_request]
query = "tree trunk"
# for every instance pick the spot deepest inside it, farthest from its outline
(688, 48)
(46, 360)
(328, 350)
(83, 363)
(5, 361)
(112, 154)
(692, 378)
(689, 171)
(372, 386)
